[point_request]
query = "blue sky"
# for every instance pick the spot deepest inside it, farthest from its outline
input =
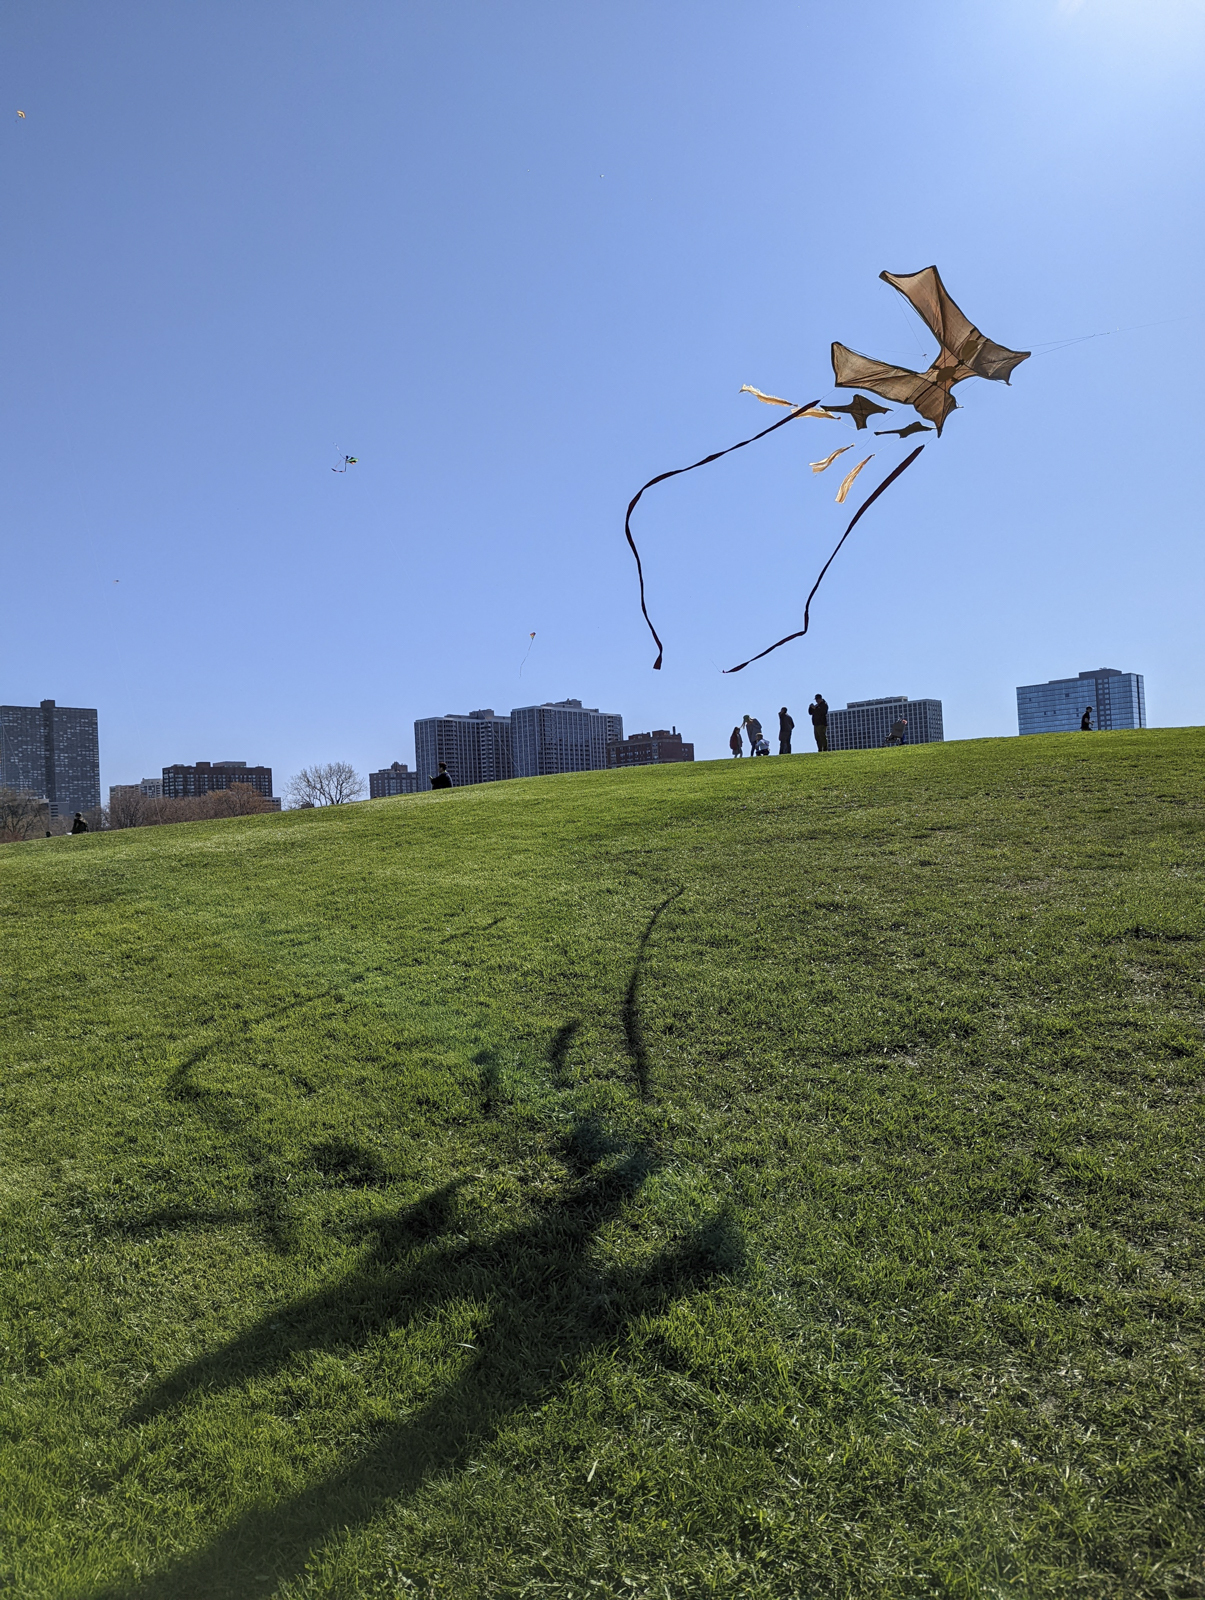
(519, 258)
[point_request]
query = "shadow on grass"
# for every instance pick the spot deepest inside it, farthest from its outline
(549, 1304)
(632, 1031)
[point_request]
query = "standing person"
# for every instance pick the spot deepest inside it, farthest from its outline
(818, 711)
(753, 728)
(786, 723)
(734, 742)
(79, 825)
(1085, 721)
(441, 780)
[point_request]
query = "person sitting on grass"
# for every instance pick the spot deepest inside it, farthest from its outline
(898, 729)
(79, 825)
(442, 780)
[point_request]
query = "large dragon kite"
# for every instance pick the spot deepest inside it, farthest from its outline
(963, 352)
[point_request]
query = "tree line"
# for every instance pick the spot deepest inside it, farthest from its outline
(26, 816)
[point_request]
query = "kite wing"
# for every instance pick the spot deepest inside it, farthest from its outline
(928, 391)
(927, 295)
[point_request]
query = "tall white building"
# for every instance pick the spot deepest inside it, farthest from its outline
(476, 747)
(562, 736)
(867, 724)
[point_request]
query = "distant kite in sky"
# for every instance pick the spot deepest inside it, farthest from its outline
(348, 461)
(21, 115)
(523, 663)
(964, 353)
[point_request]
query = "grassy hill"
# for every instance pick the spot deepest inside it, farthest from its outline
(776, 1178)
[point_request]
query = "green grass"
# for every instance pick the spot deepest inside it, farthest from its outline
(775, 1178)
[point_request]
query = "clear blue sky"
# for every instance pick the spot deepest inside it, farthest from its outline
(518, 258)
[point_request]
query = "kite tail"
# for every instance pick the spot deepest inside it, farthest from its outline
(677, 472)
(853, 521)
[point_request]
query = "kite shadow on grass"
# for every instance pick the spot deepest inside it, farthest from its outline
(550, 1304)
(633, 1032)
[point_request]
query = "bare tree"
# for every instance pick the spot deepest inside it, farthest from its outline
(332, 784)
(21, 815)
(133, 810)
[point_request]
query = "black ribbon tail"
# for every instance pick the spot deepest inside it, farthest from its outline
(677, 472)
(853, 522)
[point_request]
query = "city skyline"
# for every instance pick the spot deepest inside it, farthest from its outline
(1117, 696)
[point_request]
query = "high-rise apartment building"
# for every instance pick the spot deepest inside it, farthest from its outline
(1118, 700)
(394, 779)
(867, 724)
(562, 736)
(650, 749)
(182, 782)
(147, 789)
(476, 747)
(52, 751)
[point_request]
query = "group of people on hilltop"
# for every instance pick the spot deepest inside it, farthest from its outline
(758, 743)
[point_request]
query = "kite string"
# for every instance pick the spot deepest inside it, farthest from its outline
(853, 522)
(1049, 346)
(675, 473)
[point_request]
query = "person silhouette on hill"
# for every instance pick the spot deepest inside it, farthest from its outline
(753, 728)
(442, 780)
(818, 711)
(786, 724)
(734, 742)
(1085, 721)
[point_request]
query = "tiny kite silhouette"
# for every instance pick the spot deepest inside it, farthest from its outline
(348, 461)
(22, 116)
(904, 433)
(523, 663)
(860, 408)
